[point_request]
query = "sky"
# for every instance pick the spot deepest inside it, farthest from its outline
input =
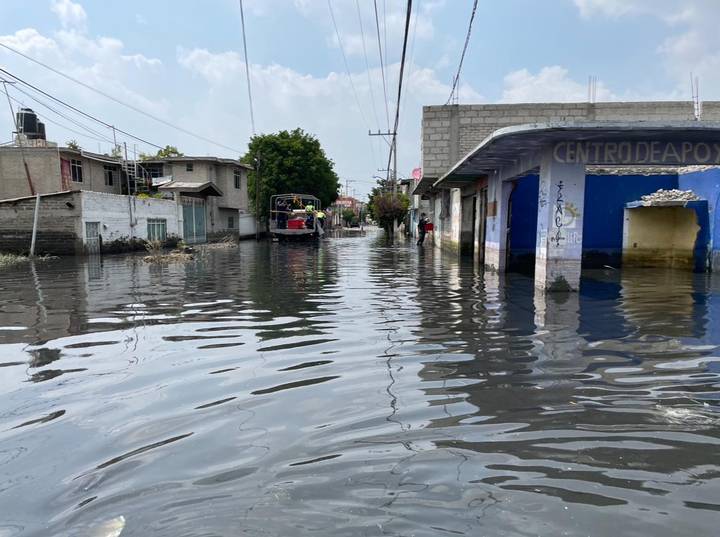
(182, 62)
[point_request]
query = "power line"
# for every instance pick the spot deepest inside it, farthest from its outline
(347, 70)
(118, 101)
(347, 67)
(70, 129)
(74, 109)
(247, 67)
(367, 63)
(393, 149)
(382, 63)
(100, 137)
(456, 79)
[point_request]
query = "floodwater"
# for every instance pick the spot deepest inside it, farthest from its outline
(354, 389)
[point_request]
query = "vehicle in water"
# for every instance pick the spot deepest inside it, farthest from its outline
(296, 216)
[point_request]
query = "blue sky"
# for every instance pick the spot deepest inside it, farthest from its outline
(182, 61)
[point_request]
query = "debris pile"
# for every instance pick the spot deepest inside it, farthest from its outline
(671, 195)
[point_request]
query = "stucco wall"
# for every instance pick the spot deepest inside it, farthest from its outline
(449, 132)
(58, 225)
(94, 176)
(706, 184)
(113, 213)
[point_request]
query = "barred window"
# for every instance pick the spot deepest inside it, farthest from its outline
(231, 222)
(238, 178)
(157, 229)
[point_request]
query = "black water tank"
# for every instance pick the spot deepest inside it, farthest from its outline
(41, 130)
(27, 122)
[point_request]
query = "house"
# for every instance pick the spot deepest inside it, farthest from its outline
(199, 198)
(226, 203)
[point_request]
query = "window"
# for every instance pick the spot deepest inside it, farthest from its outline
(157, 229)
(238, 178)
(189, 167)
(76, 170)
(109, 174)
(231, 222)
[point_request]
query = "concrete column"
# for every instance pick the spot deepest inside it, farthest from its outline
(496, 224)
(558, 250)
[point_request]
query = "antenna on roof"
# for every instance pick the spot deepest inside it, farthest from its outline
(695, 92)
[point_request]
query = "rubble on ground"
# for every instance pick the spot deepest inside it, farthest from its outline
(672, 195)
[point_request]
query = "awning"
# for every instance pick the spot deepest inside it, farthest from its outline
(204, 189)
(517, 149)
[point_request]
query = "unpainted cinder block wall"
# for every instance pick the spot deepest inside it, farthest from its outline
(58, 225)
(449, 132)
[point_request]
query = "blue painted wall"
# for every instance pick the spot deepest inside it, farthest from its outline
(605, 199)
(706, 184)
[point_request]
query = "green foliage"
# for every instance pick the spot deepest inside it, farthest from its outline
(73, 144)
(386, 208)
(116, 152)
(348, 215)
(166, 152)
(290, 162)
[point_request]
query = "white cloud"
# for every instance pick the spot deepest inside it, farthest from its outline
(550, 84)
(71, 15)
(695, 45)
(323, 105)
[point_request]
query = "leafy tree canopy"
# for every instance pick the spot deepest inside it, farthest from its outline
(290, 162)
(165, 152)
(73, 144)
(385, 208)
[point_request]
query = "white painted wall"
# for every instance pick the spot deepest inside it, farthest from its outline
(113, 212)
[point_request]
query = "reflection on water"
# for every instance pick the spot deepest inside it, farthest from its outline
(354, 388)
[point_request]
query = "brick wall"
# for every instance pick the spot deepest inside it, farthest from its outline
(58, 225)
(450, 132)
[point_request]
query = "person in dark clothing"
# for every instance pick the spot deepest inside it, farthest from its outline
(422, 224)
(282, 214)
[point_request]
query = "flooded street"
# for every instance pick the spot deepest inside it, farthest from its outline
(355, 389)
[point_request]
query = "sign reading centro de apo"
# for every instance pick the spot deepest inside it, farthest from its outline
(638, 152)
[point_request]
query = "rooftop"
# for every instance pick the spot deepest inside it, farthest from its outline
(518, 147)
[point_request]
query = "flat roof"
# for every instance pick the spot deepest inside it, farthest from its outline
(509, 145)
(216, 160)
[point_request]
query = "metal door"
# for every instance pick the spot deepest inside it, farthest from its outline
(194, 221)
(92, 237)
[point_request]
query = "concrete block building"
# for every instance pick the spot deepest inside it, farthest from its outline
(79, 222)
(549, 186)
(210, 192)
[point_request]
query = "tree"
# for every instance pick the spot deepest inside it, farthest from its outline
(116, 152)
(73, 144)
(386, 208)
(290, 162)
(166, 152)
(348, 215)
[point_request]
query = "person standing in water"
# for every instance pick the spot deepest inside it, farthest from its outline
(422, 224)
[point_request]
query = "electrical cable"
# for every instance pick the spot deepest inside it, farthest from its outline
(382, 64)
(70, 129)
(352, 84)
(100, 136)
(367, 63)
(400, 83)
(71, 107)
(247, 68)
(118, 101)
(456, 79)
